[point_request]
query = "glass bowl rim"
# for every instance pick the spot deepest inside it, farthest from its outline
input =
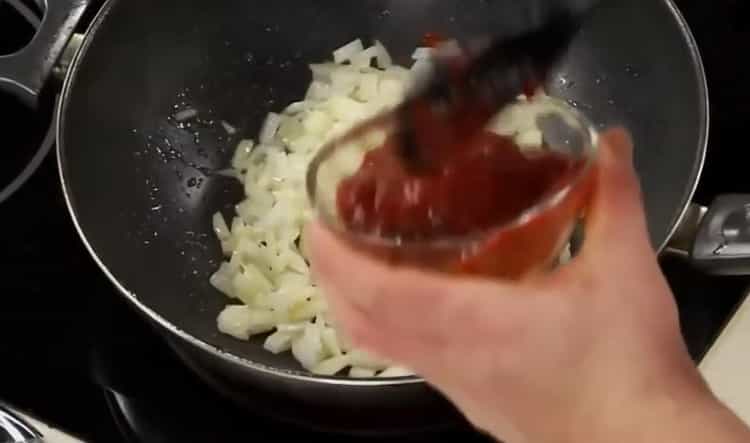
(591, 148)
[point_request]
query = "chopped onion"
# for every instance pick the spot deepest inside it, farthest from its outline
(296, 108)
(279, 342)
(250, 284)
(318, 91)
(343, 81)
(222, 280)
(332, 366)
(364, 58)
(273, 121)
(530, 139)
(422, 54)
(322, 71)
(346, 52)
(266, 267)
(242, 154)
(242, 322)
(396, 372)
(368, 87)
(308, 349)
(345, 109)
(330, 341)
(291, 328)
(356, 372)
(383, 57)
(220, 227)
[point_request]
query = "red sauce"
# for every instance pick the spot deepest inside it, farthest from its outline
(484, 183)
(488, 183)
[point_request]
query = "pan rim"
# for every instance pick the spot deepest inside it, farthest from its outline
(303, 376)
(131, 297)
(697, 172)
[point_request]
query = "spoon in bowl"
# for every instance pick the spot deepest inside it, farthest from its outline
(466, 90)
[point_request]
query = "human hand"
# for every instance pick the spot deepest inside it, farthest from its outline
(587, 352)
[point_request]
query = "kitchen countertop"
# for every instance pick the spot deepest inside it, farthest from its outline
(726, 366)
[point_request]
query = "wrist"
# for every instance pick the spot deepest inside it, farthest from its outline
(681, 410)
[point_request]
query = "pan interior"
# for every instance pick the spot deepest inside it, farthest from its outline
(140, 186)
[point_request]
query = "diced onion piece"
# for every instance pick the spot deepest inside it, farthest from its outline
(318, 91)
(308, 348)
(530, 139)
(344, 80)
(346, 109)
(220, 227)
(279, 342)
(273, 121)
(356, 372)
(293, 281)
(513, 120)
(242, 154)
(267, 268)
(242, 322)
(249, 284)
(349, 50)
(364, 58)
(291, 328)
(296, 107)
(332, 366)
(222, 280)
(396, 372)
(307, 310)
(422, 54)
(384, 59)
(330, 341)
(368, 87)
(290, 130)
(317, 123)
(322, 71)
(296, 263)
(398, 72)
(391, 90)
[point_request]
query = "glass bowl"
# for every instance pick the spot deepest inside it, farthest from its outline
(530, 237)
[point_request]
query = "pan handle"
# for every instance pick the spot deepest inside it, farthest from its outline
(25, 73)
(15, 430)
(717, 239)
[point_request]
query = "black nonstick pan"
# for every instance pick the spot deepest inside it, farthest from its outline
(142, 190)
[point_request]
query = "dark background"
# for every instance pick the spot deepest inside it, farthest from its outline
(69, 341)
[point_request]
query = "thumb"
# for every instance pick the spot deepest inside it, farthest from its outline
(616, 223)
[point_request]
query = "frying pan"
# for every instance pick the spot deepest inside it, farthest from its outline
(142, 190)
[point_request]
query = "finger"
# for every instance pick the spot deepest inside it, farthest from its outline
(616, 224)
(405, 310)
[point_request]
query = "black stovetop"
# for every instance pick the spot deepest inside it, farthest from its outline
(73, 353)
